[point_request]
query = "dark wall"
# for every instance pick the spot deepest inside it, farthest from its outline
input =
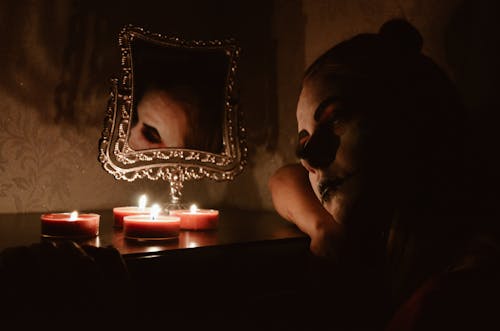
(57, 60)
(473, 53)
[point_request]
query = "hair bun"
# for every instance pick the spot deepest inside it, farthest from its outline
(401, 36)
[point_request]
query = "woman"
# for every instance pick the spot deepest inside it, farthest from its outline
(379, 188)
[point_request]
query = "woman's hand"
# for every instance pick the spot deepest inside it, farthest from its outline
(294, 199)
(327, 239)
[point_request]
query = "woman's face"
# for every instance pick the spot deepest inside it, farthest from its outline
(162, 122)
(332, 148)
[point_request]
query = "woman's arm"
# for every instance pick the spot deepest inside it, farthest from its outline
(294, 199)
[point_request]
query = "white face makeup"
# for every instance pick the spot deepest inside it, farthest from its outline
(162, 122)
(337, 182)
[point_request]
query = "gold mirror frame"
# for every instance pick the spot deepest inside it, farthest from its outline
(170, 164)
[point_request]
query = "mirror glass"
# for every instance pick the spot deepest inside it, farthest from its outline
(173, 111)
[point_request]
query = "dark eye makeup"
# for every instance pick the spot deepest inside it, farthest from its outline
(330, 112)
(320, 148)
(151, 134)
(303, 137)
(324, 111)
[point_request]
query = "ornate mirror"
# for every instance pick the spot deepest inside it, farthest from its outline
(173, 112)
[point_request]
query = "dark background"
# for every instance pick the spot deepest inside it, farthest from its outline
(58, 57)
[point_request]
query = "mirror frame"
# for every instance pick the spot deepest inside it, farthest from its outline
(171, 164)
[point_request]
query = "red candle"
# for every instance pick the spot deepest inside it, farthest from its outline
(120, 212)
(70, 225)
(197, 219)
(145, 228)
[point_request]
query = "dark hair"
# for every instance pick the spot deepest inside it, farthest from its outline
(416, 120)
(413, 103)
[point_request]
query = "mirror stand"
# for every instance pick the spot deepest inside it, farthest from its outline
(176, 181)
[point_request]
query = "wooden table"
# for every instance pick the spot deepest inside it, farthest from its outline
(236, 227)
(253, 262)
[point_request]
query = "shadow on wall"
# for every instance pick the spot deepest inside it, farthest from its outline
(59, 56)
(473, 53)
(57, 59)
(270, 117)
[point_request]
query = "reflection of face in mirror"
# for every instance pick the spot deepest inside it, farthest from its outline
(178, 98)
(163, 120)
(174, 107)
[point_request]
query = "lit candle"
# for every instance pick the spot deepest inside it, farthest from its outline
(151, 227)
(70, 225)
(197, 219)
(120, 212)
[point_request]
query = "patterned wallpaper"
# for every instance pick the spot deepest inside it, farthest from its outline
(58, 56)
(57, 59)
(48, 166)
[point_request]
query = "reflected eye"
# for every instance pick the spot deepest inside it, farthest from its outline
(151, 134)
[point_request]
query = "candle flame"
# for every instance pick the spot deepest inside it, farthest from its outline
(193, 208)
(142, 201)
(73, 216)
(155, 211)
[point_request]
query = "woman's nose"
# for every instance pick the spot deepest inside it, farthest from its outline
(306, 165)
